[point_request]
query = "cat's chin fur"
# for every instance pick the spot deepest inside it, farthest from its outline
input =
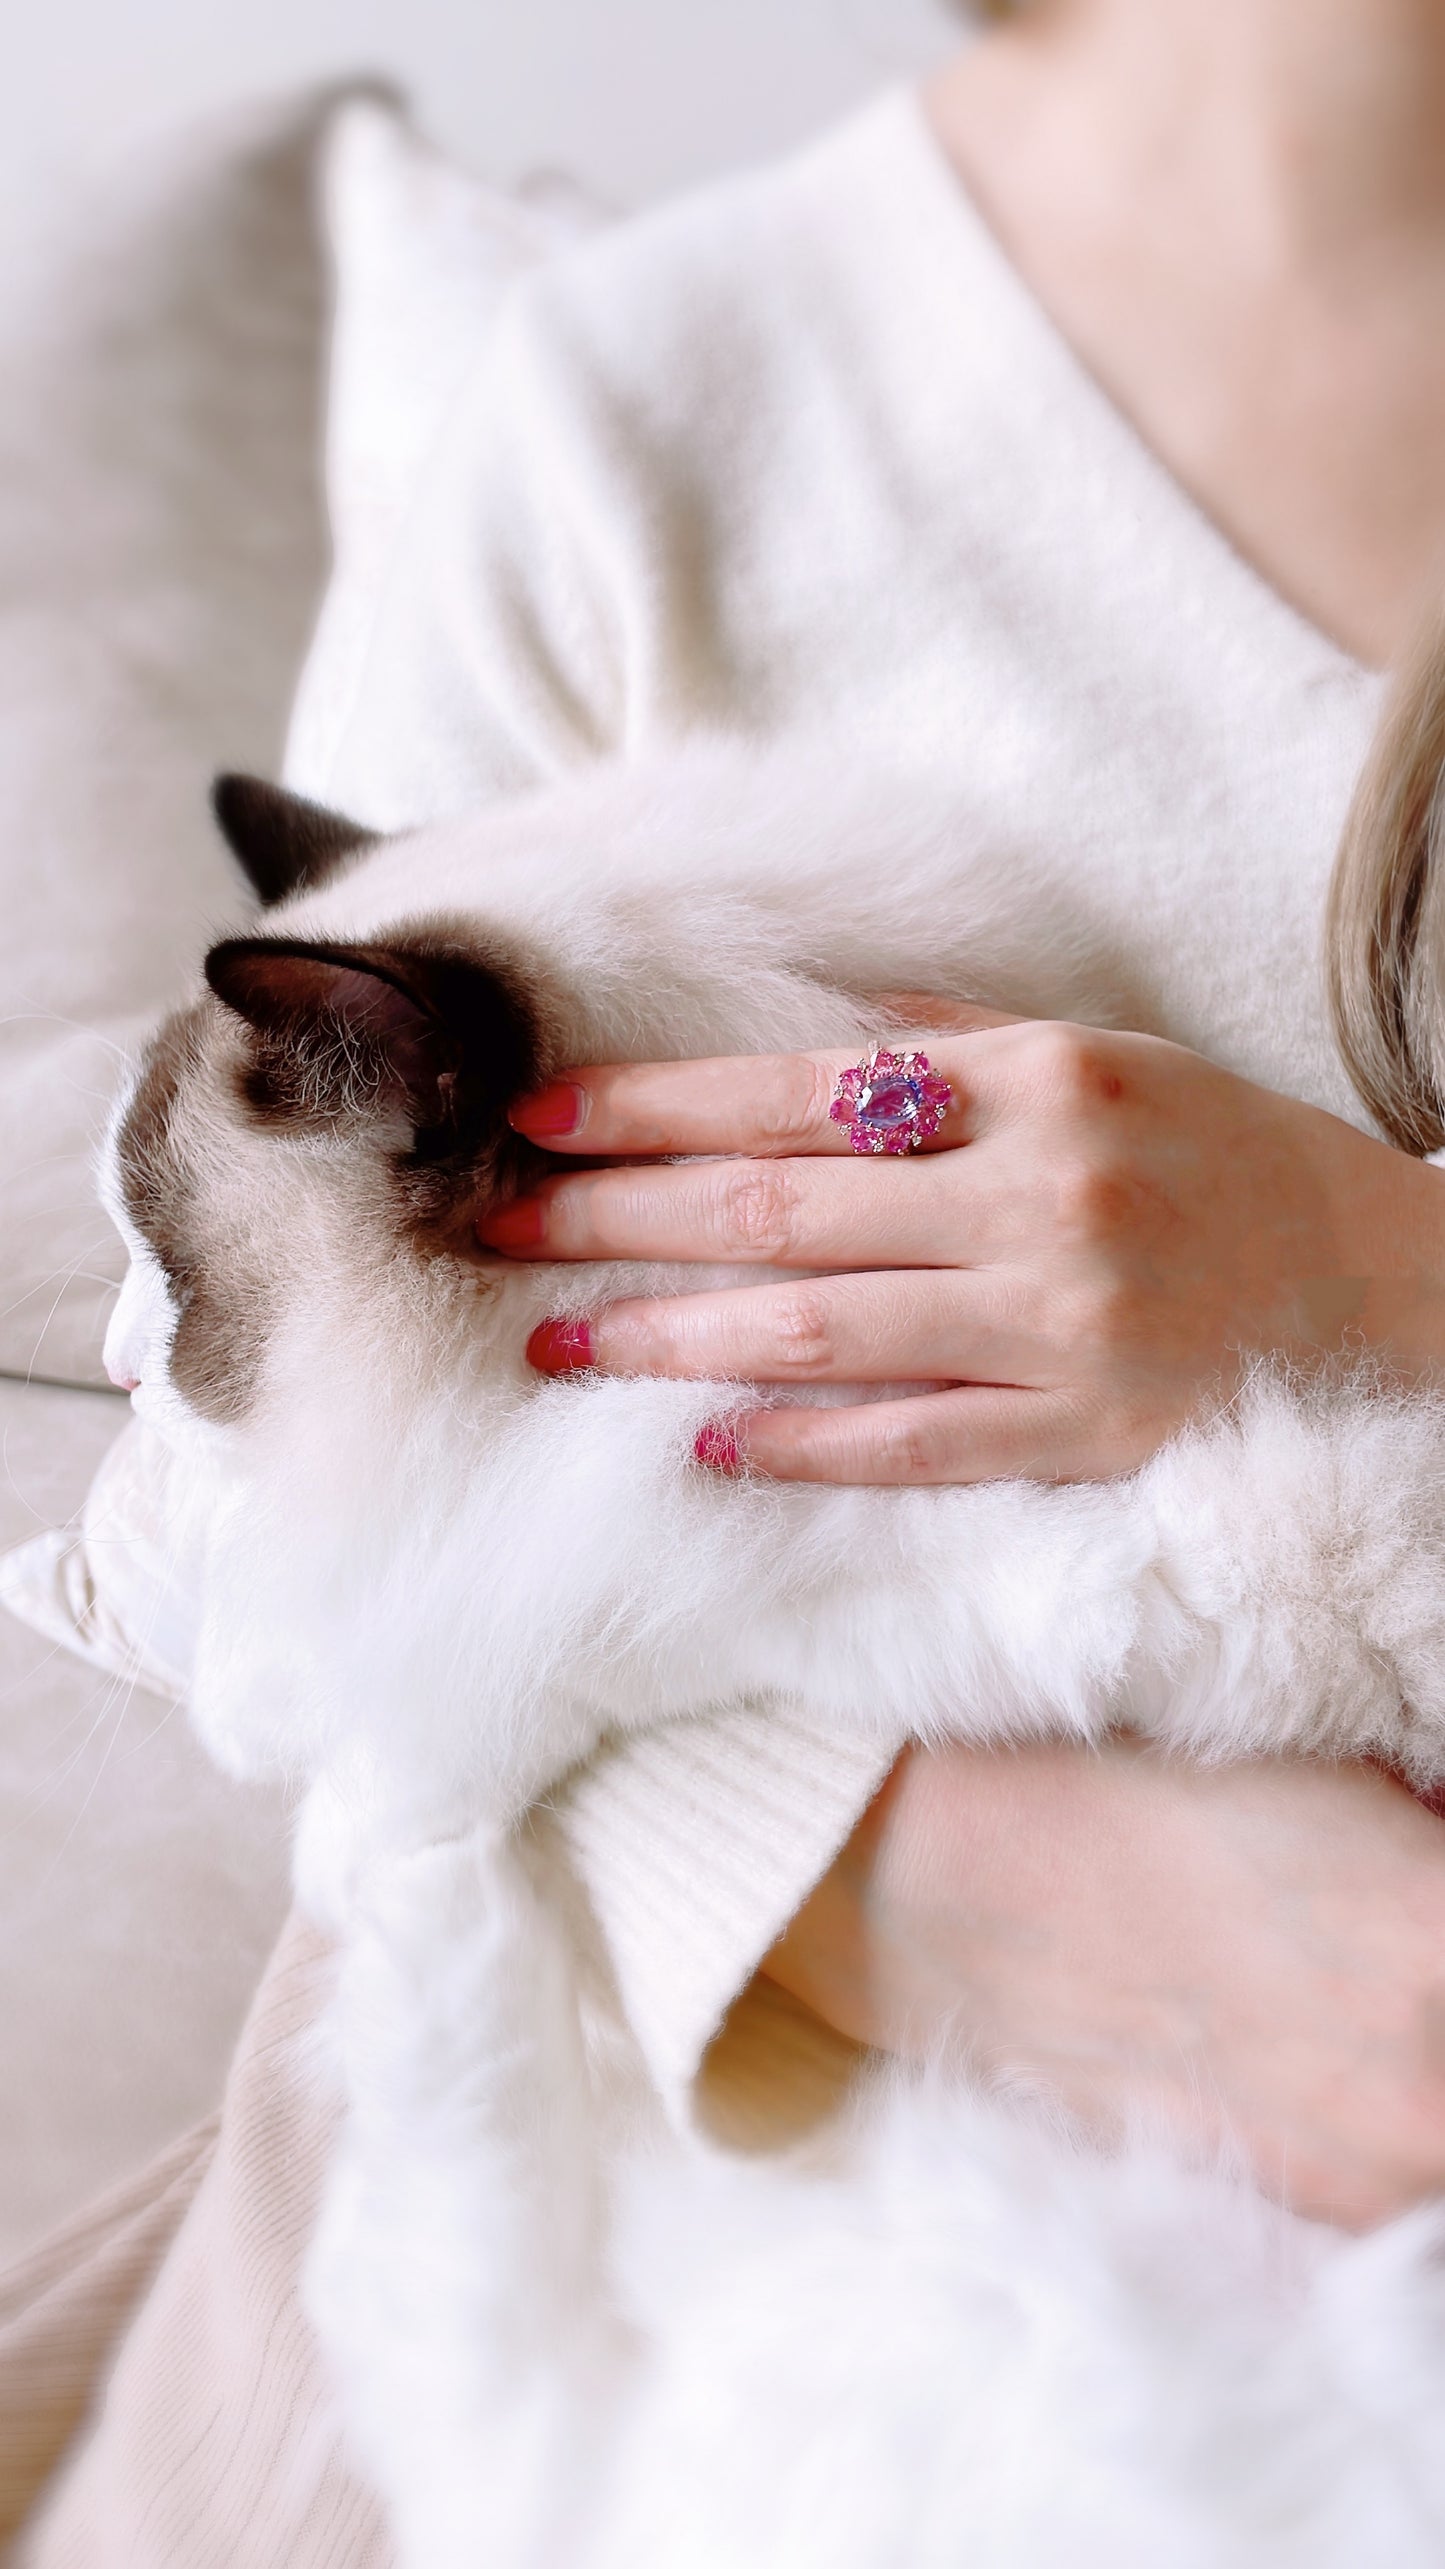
(435, 1582)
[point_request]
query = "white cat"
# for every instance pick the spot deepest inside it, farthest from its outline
(433, 1582)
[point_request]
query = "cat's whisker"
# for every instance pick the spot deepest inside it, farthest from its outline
(104, 1694)
(28, 1292)
(70, 1025)
(116, 1704)
(21, 1686)
(82, 1151)
(70, 1275)
(41, 1517)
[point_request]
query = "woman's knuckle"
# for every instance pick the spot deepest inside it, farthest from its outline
(793, 1105)
(757, 1210)
(1078, 1066)
(906, 1449)
(1056, 1052)
(800, 1335)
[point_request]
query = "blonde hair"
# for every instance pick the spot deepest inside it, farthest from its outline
(1385, 921)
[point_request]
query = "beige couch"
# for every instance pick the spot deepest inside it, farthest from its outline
(162, 552)
(225, 388)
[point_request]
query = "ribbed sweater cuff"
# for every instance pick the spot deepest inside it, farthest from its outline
(697, 1843)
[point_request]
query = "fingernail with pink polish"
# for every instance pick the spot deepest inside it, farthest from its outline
(717, 1446)
(554, 1110)
(513, 1226)
(561, 1347)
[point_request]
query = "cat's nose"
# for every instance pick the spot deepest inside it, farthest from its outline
(123, 1382)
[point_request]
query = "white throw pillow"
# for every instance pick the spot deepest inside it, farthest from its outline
(423, 255)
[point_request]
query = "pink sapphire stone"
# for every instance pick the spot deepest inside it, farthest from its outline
(892, 1102)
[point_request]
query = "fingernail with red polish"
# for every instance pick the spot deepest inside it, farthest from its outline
(717, 1446)
(513, 1226)
(558, 1108)
(561, 1347)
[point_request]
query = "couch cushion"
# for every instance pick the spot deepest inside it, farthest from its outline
(162, 551)
(139, 1890)
(151, 623)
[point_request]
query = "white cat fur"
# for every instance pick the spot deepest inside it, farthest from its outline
(434, 1582)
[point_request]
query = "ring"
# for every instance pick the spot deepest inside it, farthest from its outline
(890, 1102)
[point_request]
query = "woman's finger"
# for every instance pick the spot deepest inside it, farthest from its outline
(778, 1213)
(924, 1326)
(976, 1433)
(771, 1105)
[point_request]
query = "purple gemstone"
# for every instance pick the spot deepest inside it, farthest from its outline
(888, 1105)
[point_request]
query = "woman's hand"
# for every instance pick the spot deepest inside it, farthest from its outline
(1253, 1950)
(1106, 1225)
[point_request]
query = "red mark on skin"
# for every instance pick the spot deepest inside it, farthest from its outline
(717, 1446)
(558, 1108)
(513, 1226)
(561, 1347)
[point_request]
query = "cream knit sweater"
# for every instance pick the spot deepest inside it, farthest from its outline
(801, 452)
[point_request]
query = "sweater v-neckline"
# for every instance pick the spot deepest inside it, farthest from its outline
(901, 123)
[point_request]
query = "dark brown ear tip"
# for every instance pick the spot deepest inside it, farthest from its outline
(234, 795)
(225, 965)
(283, 843)
(220, 954)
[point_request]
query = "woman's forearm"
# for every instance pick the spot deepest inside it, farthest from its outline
(1257, 1951)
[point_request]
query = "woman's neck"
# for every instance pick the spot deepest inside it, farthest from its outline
(1304, 122)
(1236, 211)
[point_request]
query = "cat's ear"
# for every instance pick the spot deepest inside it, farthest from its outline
(284, 843)
(345, 1035)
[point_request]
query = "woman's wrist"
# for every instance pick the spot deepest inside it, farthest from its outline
(1394, 1306)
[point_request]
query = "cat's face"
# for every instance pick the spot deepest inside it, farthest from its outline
(322, 1105)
